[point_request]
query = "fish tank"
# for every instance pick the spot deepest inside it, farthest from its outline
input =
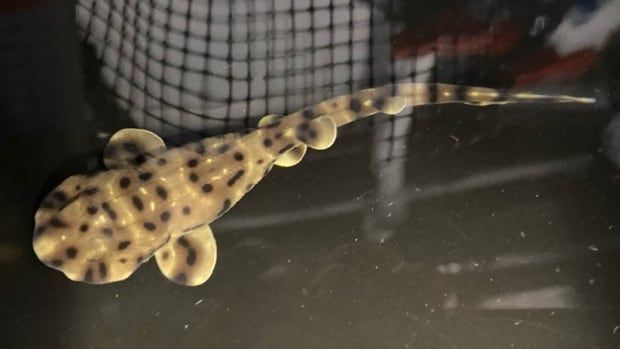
(310, 174)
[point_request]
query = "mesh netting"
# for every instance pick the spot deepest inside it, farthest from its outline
(211, 66)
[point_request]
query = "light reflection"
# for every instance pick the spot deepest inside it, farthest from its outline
(559, 296)
(507, 261)
(582, 30)
(417, 193)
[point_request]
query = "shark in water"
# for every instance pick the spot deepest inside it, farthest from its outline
(155, 201)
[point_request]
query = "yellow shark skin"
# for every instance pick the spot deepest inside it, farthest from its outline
(151, 201)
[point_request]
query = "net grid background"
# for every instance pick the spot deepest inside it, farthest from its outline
(213, 66)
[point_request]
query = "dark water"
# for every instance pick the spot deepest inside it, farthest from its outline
(451, 226)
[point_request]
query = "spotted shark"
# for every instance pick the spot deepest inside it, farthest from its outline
(153, 201)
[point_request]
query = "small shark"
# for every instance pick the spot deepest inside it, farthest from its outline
(100, 228)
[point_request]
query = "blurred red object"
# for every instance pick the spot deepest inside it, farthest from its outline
(14, 5)
(545, 65)
(456, 39)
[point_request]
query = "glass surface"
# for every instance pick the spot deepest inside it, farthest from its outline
(447, 226)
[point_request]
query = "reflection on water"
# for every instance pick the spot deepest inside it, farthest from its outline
(586, 28)
(502, 176)
(558, 296)
(524, 44)
(612, 140)
(498, 225)
(554, 297)
(497, 263)
(400, 196)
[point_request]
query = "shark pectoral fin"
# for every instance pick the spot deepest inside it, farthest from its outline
(292, 157)
(267, 119)
(130, 147)
(189, 259)
(319, 133)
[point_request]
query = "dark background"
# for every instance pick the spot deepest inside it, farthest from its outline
(452, 226)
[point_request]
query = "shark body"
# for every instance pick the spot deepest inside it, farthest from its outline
(154, 201)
